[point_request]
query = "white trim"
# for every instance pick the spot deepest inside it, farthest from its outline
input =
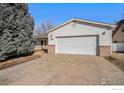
(56, 46)
(87, 21)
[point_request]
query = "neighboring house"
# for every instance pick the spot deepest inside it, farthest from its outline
(81, 37)
(118, 37)
(41, 42)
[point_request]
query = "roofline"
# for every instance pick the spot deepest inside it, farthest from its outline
(117, 28)
(81, 20)
(95, 22)
(40, 36)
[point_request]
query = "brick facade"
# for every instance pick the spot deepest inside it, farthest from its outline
(51, 48)
(104, 50)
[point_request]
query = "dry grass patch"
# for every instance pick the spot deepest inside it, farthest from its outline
(15, 61)
(117, 62)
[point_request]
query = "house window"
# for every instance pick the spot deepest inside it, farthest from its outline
(115, 41)
(45, 43)
(122, 29)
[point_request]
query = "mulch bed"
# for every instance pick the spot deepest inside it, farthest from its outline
(117, 62)
(15, 61)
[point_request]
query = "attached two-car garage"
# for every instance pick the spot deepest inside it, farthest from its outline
(86, 45)
(81, 37)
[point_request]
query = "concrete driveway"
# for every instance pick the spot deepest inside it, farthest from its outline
(63, 69)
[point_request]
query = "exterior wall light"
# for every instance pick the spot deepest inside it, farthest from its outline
(51, 37)
(103, 33)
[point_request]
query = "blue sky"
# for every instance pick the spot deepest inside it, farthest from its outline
(61, 12)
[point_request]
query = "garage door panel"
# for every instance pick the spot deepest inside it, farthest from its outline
(63, 45)
(77, 45)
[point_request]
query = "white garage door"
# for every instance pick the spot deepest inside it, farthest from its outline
(86, 45)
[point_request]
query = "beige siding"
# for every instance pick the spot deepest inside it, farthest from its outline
(75, 29)
(119, 36)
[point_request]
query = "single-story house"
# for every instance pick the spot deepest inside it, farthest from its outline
(41, 42)
(118, 37)
(81, 37)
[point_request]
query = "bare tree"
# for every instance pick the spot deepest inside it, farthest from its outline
(37, 30)
(43, 28)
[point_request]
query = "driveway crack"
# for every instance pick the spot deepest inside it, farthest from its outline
(50, 82)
